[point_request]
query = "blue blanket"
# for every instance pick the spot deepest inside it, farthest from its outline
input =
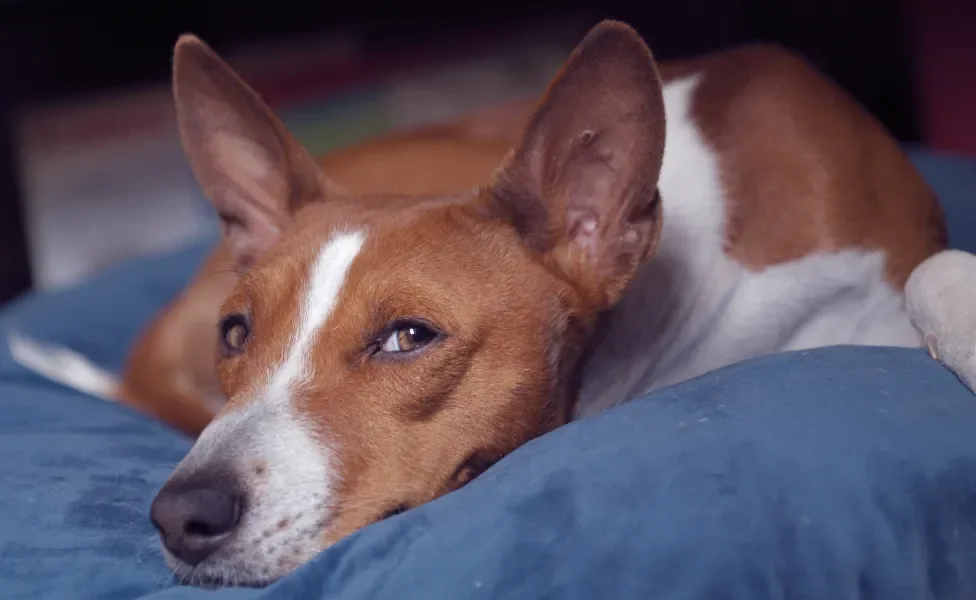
(837, 473)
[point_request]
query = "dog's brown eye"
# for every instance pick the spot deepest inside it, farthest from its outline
(407, 337)
(234, 332)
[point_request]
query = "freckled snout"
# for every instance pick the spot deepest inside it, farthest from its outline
(250, 501)
(194, 519)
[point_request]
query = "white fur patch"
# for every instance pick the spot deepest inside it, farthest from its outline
(286, 470)
(324, 285)
(63, 366)
(693, 309)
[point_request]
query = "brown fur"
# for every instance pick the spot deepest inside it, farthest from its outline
(170, 370)
(513, 274)
(411, 427)
(837, 180)
(812, 171)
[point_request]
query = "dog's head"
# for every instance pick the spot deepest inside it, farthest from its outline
(379, 352)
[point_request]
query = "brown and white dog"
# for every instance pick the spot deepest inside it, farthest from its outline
(378, 350)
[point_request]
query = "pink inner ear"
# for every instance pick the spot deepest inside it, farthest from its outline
(242, 159)
(630, 236)
(583, 228)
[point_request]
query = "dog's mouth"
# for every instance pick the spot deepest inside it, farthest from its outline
(252, 565)
(213, 582)
(219, 575)
(269, 546)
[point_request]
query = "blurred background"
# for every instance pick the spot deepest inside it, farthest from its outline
(91, 172)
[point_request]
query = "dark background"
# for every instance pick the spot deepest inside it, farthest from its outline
(52, 49)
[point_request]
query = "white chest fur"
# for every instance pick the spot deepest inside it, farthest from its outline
(693, 309)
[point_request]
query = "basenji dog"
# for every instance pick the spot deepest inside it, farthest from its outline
(649, 224)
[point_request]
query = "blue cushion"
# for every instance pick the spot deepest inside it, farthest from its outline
(953, 178)
(78, 473)
(843, 472)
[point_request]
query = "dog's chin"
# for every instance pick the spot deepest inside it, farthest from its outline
(251, 569)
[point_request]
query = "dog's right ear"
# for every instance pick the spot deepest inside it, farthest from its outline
(255, 173)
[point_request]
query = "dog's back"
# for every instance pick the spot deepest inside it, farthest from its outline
(792, 220)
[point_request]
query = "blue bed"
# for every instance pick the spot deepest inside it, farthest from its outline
(830, 474)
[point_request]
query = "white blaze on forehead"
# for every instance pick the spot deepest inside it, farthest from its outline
(323, 286)
(300, 469)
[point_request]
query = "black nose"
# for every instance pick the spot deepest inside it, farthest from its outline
(193, 521)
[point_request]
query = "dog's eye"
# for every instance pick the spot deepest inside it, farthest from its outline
(234, 332)
(407, 337)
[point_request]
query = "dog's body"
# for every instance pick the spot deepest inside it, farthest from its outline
(378, 351)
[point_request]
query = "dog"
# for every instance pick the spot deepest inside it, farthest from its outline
(649, 223)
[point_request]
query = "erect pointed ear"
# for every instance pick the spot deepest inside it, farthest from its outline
(255, 173)
(581, 186)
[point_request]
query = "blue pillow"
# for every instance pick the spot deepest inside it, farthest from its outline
(953, 179)
(78, 473)
(842, 472)
(837, 473)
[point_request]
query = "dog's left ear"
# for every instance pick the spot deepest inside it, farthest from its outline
(581, 186)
